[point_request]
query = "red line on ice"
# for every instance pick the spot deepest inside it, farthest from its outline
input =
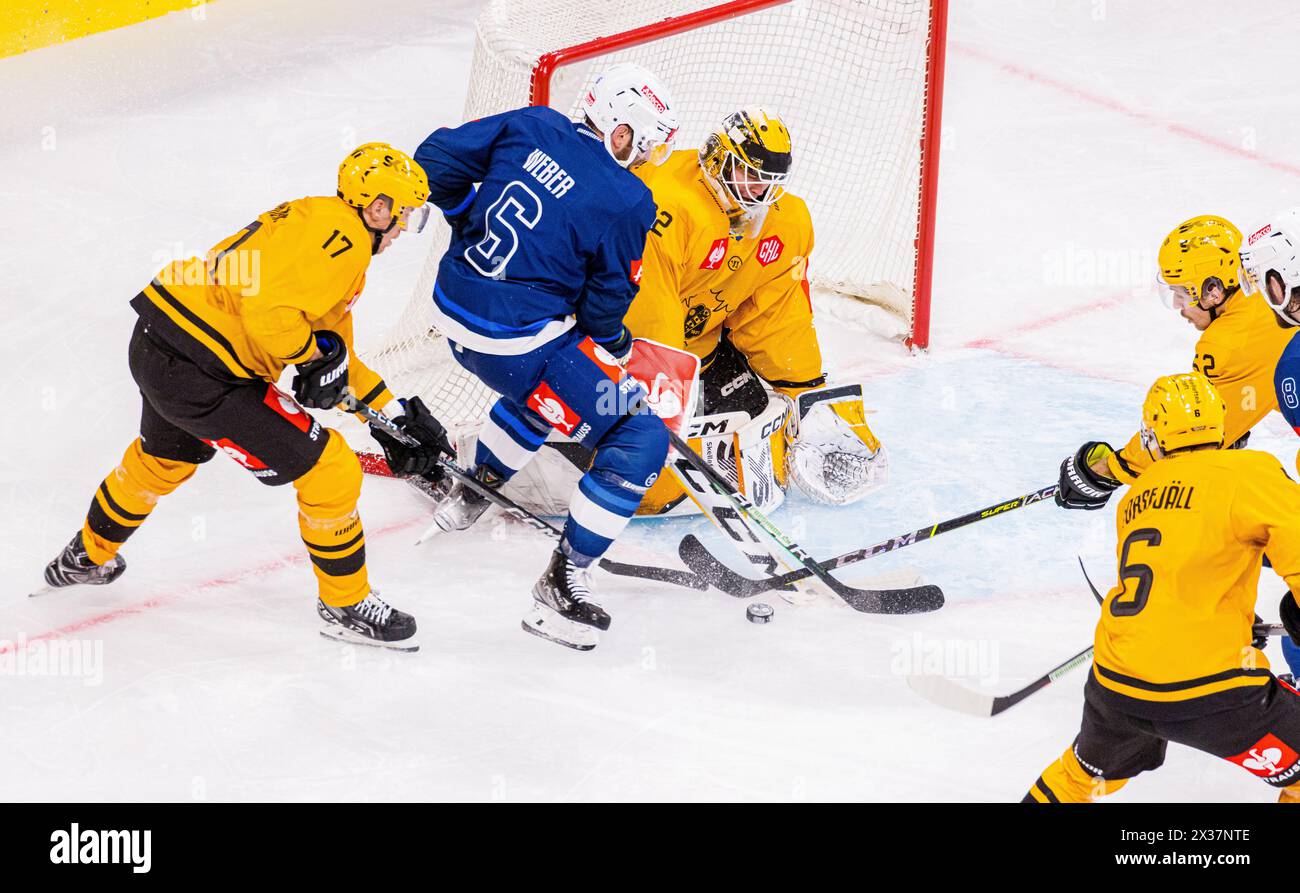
(297, 558)
(1115, 106)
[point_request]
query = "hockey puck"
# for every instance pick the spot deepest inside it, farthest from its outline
(759, 613)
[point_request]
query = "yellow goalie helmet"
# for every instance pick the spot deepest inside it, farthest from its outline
(1182, 411)
(377, 169)
(749, 157)
(1199, 254)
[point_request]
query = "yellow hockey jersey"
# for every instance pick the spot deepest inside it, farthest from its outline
(1238, 353)
(1191, 533)
(252, 305)
(696, 279)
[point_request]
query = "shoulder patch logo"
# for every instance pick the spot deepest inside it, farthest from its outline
(635, 276)
(769, 250)
(717, 251)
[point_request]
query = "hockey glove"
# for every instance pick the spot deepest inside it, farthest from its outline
(321, 383)
(834, 457)
(621, 347)
(1080, 487)
(420, 460)
(1290, 615)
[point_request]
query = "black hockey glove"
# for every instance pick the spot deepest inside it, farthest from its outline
(1290, 613)
(1239, 443)
(1080, 487)
(420, 460)
(321, 384)
(1261, 639)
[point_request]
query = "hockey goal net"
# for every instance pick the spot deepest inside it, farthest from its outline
(858, 82)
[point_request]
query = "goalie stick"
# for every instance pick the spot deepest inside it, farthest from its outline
(684, 579)
(914, 600)
(707, 566)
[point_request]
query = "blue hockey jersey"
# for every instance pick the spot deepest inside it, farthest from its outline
(552, 237)
(1286, 381)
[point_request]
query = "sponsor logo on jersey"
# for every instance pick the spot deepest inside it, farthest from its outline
(717, 252)
(734, 262)
(547, 404)
(1268, 757)
(352, 303)
(1259, 233)
(240, 455)
(654, 100)
(602, 358)
(636, 272)
(769, 250)
(287, 408)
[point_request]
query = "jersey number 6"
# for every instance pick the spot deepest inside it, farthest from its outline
(1119, 606)
(516, 204)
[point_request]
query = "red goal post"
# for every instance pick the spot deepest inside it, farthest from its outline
(859, 82)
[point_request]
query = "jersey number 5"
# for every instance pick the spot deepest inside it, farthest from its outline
(516, 204)
(1127, 607)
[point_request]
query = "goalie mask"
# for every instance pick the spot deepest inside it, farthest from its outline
(747, 160)
(1270, 265)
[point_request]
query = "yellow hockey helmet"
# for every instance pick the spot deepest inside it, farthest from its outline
(377, 169)
(751, 149)
(1182, 411)
(1199, 254)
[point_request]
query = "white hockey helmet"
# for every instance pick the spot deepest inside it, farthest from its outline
(628, 94)
(1270, 264)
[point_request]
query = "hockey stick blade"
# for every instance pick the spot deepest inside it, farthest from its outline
(913, 600)
(953, 695)
(899, 542)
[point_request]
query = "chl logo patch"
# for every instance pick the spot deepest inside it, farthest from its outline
(1267, 758)
(636, 272)
(769, 250)
(547, 404)
(717, 251)
(696, 319)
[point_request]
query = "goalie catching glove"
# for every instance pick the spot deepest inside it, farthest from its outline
(422, 460)
(834, 457)
(1080, 486)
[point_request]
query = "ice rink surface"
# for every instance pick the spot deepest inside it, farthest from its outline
(1076, 134)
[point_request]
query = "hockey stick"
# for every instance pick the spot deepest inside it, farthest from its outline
(509, 506)
(949, 693)
(703, 562)
(869, 601)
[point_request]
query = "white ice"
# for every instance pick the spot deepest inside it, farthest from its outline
(1075, 132)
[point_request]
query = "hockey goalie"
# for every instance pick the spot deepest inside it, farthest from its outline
(724, 276)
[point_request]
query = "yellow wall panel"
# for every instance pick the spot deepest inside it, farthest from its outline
(30, 24)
